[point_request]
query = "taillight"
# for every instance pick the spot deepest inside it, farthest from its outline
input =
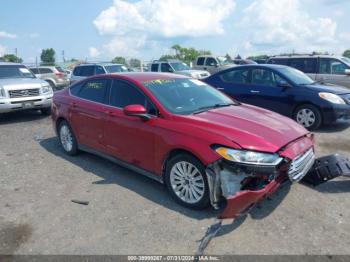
(59, 74)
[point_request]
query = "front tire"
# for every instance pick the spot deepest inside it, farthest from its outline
(67, 139)
(186, 181)
(308, 116)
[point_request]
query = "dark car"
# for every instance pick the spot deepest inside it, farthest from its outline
(287, 91)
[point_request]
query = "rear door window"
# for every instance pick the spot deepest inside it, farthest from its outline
(35, 70)
(236, 76)
(210, 61)
(45, 71)
(306, 65)
(154, 67)
(263, 77)
(200, 61)
(87, 71)
(94, 90)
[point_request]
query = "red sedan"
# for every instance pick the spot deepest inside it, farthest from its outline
(205, 147)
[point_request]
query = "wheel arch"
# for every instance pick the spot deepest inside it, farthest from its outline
(175, 152)
(307, 103)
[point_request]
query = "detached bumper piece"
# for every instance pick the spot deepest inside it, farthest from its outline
(327, 168)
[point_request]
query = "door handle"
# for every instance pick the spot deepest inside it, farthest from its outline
(220, 88)
(254, 91)
(74, 105)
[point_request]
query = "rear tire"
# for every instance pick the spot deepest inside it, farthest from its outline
(308, 116)
(67, 139)
(186, 181)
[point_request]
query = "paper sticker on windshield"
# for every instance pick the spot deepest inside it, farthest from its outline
(197, 82)
(24, 70)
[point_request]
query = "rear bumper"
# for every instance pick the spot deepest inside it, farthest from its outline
(244, 200)
(27, 103)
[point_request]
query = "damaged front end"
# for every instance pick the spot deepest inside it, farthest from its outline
(243, 185)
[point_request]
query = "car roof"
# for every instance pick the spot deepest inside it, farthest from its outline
(271, 66)
(302, 56)
(9, 63)
(148, 76)
(100, 64)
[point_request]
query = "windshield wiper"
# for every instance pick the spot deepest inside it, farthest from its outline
(206, 108)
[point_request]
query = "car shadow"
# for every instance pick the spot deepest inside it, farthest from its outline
(111, 173)
(333, 128)
(20, 116)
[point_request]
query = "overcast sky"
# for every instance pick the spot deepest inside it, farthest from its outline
(101, 29)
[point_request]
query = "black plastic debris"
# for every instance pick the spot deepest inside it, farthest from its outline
(327, 168)
(81, 202)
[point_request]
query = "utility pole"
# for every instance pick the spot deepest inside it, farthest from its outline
(63, 57)
(16, 52)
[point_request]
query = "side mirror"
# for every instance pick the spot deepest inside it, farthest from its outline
(347, 72)
(283, 83)
(136, 110)
(171, 70)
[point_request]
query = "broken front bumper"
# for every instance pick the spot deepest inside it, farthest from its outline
(243, 200)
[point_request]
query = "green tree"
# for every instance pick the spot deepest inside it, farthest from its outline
(11, 58)
(347, 53)
(119, 60)
(48, 56)
(186, 55)
(134, 62)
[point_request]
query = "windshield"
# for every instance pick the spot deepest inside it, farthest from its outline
(187, 96)
(223, 60)
(346, 60)
(296, 76)
(116, 69)
(179, 66)
(15, 71)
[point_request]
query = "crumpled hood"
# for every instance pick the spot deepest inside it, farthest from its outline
(339, 90)
(21, 83)
(250, 127)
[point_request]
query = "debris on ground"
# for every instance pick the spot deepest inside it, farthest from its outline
(81, 202)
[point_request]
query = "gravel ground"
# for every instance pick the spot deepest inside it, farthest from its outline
(130, 214)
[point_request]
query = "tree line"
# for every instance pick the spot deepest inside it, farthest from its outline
(184, 54)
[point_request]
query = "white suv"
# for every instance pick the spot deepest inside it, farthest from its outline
(177, 67)
(21, 90)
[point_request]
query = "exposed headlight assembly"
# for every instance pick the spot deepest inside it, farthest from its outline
(249, 157)
(333, 98)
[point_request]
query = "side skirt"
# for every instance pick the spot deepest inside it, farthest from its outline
(122, 163)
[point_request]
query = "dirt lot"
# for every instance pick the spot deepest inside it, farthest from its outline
(130, 214)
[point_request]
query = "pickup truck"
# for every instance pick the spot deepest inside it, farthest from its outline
(212, 64)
